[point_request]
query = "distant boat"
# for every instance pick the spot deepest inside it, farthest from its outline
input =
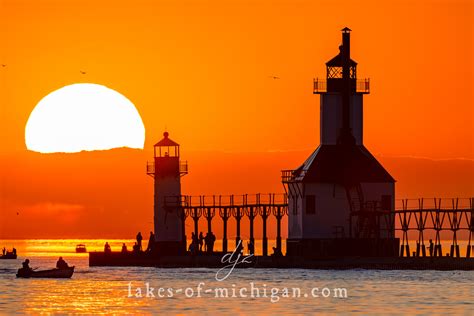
(53, 273)
(9, 255)
(81, 248)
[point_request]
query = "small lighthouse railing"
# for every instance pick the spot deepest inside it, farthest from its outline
(183, 168)
(321, 86)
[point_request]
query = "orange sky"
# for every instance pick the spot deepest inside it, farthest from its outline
(201, 68)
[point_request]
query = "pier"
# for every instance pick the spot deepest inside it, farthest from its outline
(419, 216)
(415, 219)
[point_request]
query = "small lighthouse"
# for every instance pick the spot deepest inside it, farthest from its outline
(167, 170)
(341, 199)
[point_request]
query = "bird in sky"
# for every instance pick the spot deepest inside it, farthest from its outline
(274, 77)
(3, 65)
(82, 72)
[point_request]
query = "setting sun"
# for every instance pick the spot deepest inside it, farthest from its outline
(84, 117)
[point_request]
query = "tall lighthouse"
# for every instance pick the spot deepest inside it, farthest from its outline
(167, 170)
(341, 199)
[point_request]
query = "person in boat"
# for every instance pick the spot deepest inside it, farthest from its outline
(151, 242)
(61, 264)
(14, 251)
(26, 264)
(124, 248)
(107, 248)
(25, 269)
(4, 251)
(139, 241)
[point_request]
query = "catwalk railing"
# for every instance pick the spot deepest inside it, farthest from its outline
(420, 216)
(435, 215)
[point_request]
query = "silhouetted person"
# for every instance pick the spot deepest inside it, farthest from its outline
(431, 247)
(14, 251)
(61, 264)
(251, 247)
(240, 248)
(193, 247)
(136, 249)
(107, 248)
(139, 241)
(212, 241)
(277, 252)
(26, 264)
(124, 248)
(4, 251)
(151, 242)
(195, 238)
(201, 241)
(207, 241)
(26, 267)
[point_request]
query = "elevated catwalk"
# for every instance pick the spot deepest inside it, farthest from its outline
(415, 218)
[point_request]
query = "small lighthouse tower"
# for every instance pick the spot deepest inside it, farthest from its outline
(341, 199)
(167, 171)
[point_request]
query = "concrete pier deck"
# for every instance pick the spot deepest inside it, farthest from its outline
(100, 259)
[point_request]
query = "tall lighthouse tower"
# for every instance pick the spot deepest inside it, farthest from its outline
(167, 170)
(341, 199)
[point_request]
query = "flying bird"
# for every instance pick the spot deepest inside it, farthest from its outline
(274, 77)
(3, 65)
(82, 72)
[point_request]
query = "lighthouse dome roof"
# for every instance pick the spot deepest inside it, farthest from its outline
(166, 141)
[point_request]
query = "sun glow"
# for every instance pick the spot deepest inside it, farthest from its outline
(81, 117)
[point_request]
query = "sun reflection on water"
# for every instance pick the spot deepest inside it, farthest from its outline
(104, 290)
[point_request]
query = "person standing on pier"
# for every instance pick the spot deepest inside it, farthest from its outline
(212, 241)
(201, 241)
(251, 247)
(107, 248)
(139, 241)
(151, 242)
(207, 242)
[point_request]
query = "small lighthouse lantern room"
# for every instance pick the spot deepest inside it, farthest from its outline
(166, 147)
(167, 170)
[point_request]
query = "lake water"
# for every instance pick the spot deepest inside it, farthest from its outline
(104, 290)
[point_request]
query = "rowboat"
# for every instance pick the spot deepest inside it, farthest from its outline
(8, 255)
(53, 273)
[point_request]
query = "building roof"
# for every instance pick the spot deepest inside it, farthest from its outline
(337, 61)
(166, 141)
(342, 165)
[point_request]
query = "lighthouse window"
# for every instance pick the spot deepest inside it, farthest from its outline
(310, 204)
